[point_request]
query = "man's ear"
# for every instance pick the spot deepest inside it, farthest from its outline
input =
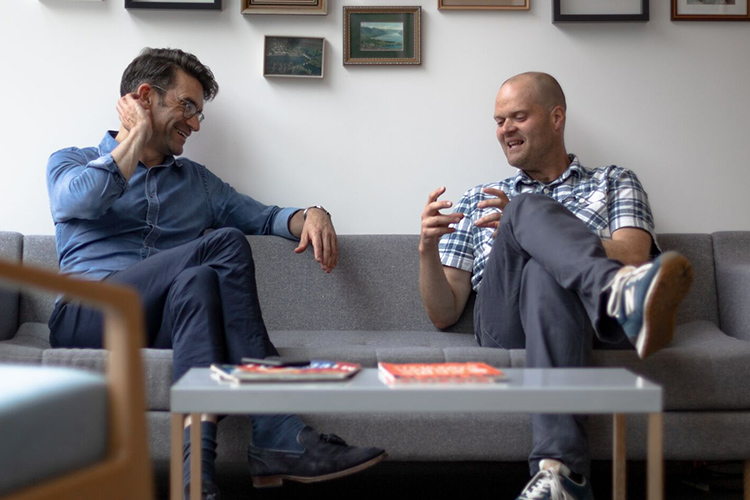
(558, 117)
(147, 94)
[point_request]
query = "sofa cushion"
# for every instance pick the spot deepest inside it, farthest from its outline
(52, 421)
(733, 281)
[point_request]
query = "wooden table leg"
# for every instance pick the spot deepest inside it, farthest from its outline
(746, 481)
(619, 451)
(175, 459)
(655, 456)
(195, 457)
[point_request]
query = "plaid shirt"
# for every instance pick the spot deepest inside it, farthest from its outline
(605, 199)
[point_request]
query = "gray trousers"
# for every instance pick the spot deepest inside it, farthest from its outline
(542, 290)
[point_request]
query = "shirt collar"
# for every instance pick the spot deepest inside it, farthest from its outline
(109, 144)
(575, 168)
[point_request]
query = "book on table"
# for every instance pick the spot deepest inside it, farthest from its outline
(315, 370)
(469, 372)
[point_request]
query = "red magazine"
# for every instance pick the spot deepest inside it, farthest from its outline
(317, 370)
(472, 372)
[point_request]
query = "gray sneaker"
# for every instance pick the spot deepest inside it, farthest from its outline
(550, 484)
(644, 300)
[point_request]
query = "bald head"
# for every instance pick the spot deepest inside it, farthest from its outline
(546, 90)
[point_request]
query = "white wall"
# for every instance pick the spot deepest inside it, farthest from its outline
(670, 100)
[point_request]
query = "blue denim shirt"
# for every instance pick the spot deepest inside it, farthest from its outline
(104, 223)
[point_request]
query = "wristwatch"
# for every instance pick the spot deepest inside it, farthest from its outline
(304, 213)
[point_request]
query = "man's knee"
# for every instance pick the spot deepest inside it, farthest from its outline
(231, 238)
(197, 280)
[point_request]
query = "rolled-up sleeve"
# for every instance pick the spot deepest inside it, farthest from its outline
(81, 186)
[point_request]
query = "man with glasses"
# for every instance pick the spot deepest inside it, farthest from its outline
(129, 211)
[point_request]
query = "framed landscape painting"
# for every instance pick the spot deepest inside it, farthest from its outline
(295, 57)
(382, 35)
(710, 10)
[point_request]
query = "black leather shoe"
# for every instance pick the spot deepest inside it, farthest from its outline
(210, 491)
(326, 456)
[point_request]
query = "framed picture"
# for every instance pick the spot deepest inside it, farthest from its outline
(483, 4)
(599, 10)
(173, 4)
(295, 57)
(308, 7)
(382, 35)
(710, 10)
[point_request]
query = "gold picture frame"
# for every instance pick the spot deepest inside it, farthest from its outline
(383, 35)
(287, 7)
(684, 10)
(484, 4)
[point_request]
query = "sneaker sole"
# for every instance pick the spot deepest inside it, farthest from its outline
(274, 481)
(670, 286)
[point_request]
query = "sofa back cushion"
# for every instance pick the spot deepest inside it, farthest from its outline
(374, 287)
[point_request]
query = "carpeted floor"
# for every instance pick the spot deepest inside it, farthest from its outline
(474, 481)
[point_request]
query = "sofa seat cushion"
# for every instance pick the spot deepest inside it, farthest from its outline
(52, 421)
(702, 369)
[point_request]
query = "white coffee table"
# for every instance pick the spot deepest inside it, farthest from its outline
(582, 390)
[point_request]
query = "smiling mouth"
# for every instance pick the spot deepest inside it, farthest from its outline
(183, 134)
(513, 144)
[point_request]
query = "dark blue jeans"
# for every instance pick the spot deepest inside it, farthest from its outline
(542, 290)
(200, 299)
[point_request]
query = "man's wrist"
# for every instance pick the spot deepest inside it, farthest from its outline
(304, 212)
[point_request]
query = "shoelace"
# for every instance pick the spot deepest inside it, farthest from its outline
(619, 284)
(546, 485)
(333, 439)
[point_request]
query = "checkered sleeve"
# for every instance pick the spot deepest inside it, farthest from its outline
(457, 249)
(628, 202)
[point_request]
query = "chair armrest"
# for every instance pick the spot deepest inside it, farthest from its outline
(124, 335)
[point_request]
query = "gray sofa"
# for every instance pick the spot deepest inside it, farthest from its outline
(369, 310)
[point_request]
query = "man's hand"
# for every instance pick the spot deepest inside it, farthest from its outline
(492, 220)
(318, 230)
(135, 131)
(435, 224)
(134, 114)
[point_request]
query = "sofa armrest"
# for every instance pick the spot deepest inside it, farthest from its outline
(11, 246)
(732, 254)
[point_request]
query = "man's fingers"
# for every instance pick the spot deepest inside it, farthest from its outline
(491, 220)
(304, 241)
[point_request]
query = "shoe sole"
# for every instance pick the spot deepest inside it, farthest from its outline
(274, 481)
(663, 298)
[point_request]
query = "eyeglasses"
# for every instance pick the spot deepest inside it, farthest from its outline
(189, 109)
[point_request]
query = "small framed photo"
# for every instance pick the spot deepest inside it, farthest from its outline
(173, 4)
(599, 10)
(710, 10)
(295, 57)
(382, 35)
(290, 7)
(483, 4)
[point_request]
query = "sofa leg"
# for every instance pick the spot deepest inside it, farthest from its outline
(746, 480)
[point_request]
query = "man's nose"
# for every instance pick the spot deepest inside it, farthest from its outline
(194, 123)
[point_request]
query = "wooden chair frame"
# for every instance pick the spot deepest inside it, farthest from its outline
(126, 472)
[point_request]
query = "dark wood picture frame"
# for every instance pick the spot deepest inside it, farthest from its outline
(707, 15)
(167, 4)
(559, 17)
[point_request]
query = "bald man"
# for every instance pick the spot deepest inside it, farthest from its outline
(559, 256)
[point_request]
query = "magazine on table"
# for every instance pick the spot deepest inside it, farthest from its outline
(315, 370)
(416, 373)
